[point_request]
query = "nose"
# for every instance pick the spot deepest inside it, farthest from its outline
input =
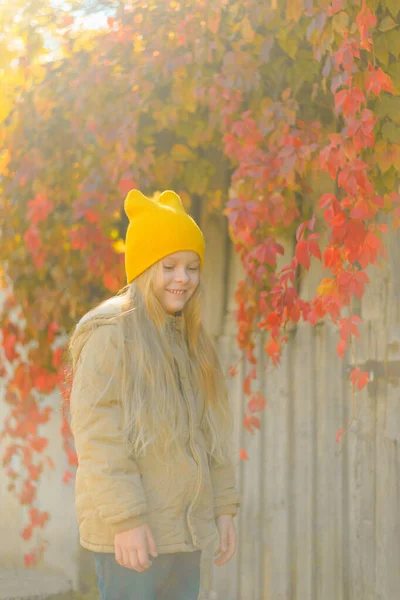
(181, 275)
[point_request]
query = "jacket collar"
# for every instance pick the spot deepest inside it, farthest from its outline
(174, 325)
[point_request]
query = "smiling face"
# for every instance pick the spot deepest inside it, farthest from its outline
(177, 280)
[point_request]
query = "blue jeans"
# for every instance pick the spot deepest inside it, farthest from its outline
(171, 577)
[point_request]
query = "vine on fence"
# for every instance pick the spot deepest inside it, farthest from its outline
(287, 110)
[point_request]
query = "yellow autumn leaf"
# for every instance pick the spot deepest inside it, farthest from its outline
(182, 153)
(4, 160)
(119, 246)
(326, 287)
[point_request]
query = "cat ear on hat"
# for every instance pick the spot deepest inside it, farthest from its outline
(136, 202)
(170, 198)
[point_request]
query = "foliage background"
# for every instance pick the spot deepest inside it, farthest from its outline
(256, 109)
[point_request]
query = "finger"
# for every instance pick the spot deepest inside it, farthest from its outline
(225, 543)
(126, 561)
(118, 554)
(134, 561)
(143, 557)
(151, 545)
(225, 556)
(231, 544)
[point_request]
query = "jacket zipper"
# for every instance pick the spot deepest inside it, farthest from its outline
(194, 453)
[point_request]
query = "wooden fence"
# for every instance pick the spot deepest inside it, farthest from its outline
(317, 524)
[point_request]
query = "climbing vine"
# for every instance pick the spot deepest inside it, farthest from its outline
(282, 115)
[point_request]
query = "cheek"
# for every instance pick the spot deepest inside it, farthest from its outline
(166, 279)
(195, 280)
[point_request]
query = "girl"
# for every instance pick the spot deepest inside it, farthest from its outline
(151, 418)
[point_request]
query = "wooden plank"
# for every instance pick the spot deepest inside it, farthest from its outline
(302, 467)
(225, 580)
(277, 532)
(249, 557)
(327, 392)
(361, 485)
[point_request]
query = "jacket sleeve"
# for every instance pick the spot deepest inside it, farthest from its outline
(226, 497)
(110, 474)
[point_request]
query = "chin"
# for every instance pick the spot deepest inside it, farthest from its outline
(176, 307)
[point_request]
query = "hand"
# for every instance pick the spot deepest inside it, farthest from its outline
(132, 548)
(227, 539)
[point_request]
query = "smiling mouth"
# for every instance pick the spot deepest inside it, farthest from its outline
(177, 292)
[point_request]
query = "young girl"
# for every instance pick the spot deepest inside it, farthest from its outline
(151, 418)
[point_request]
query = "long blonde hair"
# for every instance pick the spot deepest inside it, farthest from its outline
(149, 392)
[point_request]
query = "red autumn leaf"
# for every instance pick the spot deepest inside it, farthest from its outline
(257, 403)
(91, 216)
(50, 462)
(339, 435)
(232, 371)
(272, 348)
(365, 20)
(311, 222)
(294, 313)
(266, 253)
(303, 254)
(362, 210)
(325, 200)
(39, 418)
(57, 357)
(313, 246)
(38, 519)
(332, 258)
(250, 422)
(35, 471)
(361, 130)
(377, 80)
(30, 559)
(39, 443)
(363, 380)
(352, 283)
(39, 209)
(9, 343)
(126, 184)
(341, 349)
(27, 532)
(243, 454)
(346, 54)
(247, 382)
(354, 375)
(72, 457)
(332, 157)
(28, 493)
(349, 101)
(67, 476)
(348, 327)
(274, 321)
(300, 230)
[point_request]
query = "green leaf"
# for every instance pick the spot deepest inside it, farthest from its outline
(288, 42)
(393, 42)
(391, 133)
(393, 6)
(182, 153)
(381, 48)
(387, 23)
(390, 178)
(394, 72)
(340, 22)
(389, 106)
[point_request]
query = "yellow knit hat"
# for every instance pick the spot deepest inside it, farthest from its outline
(156, 229)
